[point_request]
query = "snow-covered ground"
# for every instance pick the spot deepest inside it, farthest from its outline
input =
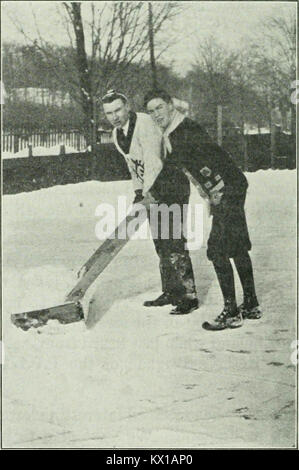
(134, 376)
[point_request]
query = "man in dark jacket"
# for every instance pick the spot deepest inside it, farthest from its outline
(189, 148)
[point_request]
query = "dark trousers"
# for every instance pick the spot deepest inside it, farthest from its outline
(225, 275)
(229, 238)
(175, 264)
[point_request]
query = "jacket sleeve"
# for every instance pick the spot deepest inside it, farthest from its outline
(187, 155)
(150, 139)
(196, 154)
(208, 163)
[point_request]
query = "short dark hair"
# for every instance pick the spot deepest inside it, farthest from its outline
(156, 93)
(113, 95)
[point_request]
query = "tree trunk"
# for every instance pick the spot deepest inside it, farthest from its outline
(84, 73)
(151, 45)
(273, 140)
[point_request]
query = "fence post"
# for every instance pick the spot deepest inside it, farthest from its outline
(78, 140)
(11, 139)
(16, 143)
(245, 141)
(273, 137)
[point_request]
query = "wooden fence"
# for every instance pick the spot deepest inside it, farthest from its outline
(15, 140)
(253, 152)
(33, 173)
(250, 152)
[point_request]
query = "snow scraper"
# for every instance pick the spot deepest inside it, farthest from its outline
(73, 309)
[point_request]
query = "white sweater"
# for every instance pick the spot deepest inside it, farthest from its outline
(144, 157)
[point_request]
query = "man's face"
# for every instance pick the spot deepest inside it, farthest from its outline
(117, 113)
(160, 111)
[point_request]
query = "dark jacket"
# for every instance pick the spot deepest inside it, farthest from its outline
(207, 162)
(172, 186)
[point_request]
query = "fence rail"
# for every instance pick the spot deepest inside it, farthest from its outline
(16, 140)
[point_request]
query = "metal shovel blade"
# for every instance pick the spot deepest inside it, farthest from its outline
(65, 313)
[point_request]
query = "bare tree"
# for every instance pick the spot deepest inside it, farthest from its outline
(212, 77)
(106, 38)
(74, 11)
(226, 79)
(217, 64)
(242, 73)
(275, 61)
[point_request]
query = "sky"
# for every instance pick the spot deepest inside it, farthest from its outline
(232, 23)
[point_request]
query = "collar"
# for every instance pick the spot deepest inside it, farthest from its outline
(175, 122)
(177, 118)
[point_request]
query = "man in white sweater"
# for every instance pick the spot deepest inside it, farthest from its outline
(139, 140)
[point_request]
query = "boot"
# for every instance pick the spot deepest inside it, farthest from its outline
(250, 309)
(230, 317)
(185, 306)
(163, 299)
